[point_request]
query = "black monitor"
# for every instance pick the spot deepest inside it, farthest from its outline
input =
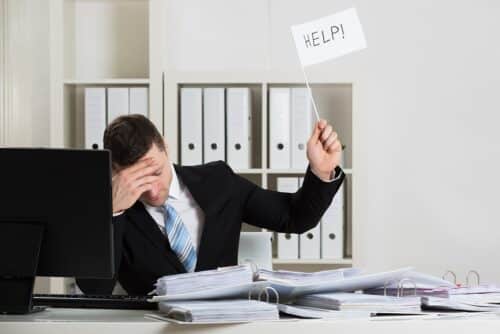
(55, 219)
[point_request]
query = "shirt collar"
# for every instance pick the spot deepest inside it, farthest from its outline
(175, 189)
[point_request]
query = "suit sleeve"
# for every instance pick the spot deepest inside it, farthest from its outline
(106, 286)
(289, 213)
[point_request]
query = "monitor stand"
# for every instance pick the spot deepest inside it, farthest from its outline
(20, 243)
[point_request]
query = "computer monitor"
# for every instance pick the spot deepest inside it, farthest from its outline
(55, 219)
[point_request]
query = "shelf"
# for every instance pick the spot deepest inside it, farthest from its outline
(314, 262)
(297, 171)
(249, 171)
(131, 81)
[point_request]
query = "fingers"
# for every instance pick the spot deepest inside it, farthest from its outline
(148, 170)
(336, 146)
(141, 164)
(141, 189)
(150, 179)
(317, 130)
(325, 134)
(329, 139)
(322, 124)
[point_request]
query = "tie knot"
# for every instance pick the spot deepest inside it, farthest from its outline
(170, 212)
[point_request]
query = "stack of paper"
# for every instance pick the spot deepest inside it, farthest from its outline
(318, 313)
(361, 302)
(296, 277)
(351, 281)
(189, 283)
(453, 303)
(219, 311)
(414, 283)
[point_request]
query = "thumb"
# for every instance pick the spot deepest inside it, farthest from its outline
(320, 125)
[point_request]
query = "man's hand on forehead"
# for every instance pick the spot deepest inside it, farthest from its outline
(129, 183)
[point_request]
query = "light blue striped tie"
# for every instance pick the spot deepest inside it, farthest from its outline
(179, 238)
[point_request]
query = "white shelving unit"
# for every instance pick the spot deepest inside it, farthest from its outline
(155, 43)
(103, 43)
(328, 96)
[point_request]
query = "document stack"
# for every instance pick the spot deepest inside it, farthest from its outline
(462, 303)
(238, 310)
(214, 296)
(177, 285)
(301, 278)
(344, 301)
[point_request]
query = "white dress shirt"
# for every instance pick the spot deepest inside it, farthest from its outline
(182, 201)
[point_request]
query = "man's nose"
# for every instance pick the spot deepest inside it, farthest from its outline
(154, 190)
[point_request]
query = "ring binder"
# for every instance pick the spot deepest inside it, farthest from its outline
(264, 291)
(400, 292)
(477, 277)
(452, 273)
(388, 283)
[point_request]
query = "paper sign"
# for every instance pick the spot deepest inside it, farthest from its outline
(329, 37)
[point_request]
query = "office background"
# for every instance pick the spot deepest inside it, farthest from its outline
(424, 107)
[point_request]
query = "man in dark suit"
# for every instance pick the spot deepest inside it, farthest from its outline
(170, 219)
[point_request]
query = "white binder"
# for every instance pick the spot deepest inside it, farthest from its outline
(301, 126)
(288, 244)
(279, 127)
(95, 117)
(117, 102)
(332, 229)
(191, 126)
(214, 130)
(239, 121)
(310, 241)
(138, 101)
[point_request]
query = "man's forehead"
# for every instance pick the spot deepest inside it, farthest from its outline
(158, 156)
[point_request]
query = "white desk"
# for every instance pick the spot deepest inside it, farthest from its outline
(75, 321)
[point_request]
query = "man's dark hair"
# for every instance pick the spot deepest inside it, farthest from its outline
(130, 137)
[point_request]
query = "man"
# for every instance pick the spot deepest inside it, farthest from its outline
(170, 219)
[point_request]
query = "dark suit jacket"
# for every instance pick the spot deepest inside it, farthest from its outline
(143, 253)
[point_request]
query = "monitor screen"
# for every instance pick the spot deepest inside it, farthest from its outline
(69, 191)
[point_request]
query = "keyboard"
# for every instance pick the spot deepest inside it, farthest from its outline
(95, 301)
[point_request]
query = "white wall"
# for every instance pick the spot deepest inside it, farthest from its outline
(24, 101)
(426, 110)
(426, 107)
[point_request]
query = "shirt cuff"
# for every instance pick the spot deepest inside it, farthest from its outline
(116, 214)
(336, 174)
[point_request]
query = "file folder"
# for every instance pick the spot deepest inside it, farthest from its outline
(117, 103)
(288, 244)
(310, 241)
(191, 126)
(95, 117)
(279, 128)
(239, 121)
(214, 130)
(301, 126)
(138, 101)
(332, 229)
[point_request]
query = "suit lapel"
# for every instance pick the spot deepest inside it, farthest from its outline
(144, 222)
(207, 190)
